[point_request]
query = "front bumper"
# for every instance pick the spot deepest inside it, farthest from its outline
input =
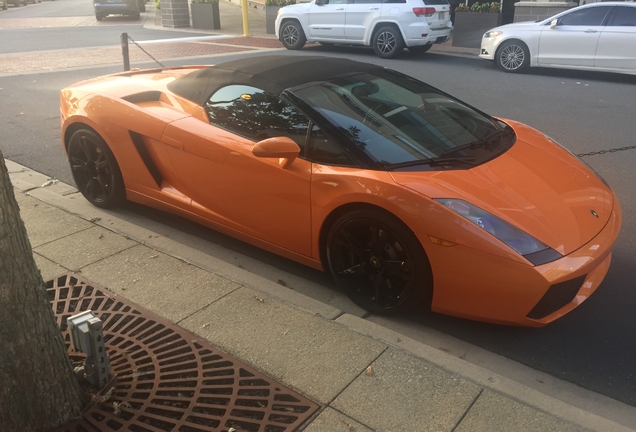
(489, 47)
(497, 290)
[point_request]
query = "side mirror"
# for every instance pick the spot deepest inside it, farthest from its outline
(277, 147)
(553, 23)
(320, 2)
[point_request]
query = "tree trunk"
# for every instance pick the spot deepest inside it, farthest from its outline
(38, 389)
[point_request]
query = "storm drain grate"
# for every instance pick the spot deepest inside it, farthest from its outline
(164, 378)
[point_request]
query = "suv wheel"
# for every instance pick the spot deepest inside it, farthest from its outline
(387, 42)
(292, 35)
(99, 17)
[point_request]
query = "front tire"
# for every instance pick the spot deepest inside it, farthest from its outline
(95, 170)
(292, 35)
(378, 262)
(512, 56)
(387, 42)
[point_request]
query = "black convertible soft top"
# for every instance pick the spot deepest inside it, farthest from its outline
(271, 73)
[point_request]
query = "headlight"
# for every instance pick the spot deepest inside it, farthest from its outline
(492, 34)
(532, 249)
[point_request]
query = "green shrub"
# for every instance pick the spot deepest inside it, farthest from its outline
(279, 2)
(494, 7)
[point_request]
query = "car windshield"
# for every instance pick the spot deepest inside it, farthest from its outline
(400, 122)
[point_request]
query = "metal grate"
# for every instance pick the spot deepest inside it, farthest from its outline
(557, 296)
(164, 378)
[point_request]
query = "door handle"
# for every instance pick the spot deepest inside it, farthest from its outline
(339, 9)
(590, 31)
(374, 8)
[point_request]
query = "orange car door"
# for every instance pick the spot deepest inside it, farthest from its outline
(228, 184)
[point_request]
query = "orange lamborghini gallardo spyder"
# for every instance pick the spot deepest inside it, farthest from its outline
(408, 196)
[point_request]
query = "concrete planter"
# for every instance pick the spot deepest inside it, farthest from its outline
(206, 16)
(470, 27)
(270, 18)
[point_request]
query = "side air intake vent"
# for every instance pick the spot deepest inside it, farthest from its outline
(147, 96)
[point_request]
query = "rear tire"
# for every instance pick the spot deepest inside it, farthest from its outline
(99, 17)
(95, 169)
(292, 35)
(387, 42)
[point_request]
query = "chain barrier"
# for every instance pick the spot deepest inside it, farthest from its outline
(124, 51)
(147, 53)
(600, 152)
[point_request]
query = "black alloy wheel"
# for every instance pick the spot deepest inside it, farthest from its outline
(512, 56)
(387, 42)
(378, 262)
(95, 169)
(292, 35)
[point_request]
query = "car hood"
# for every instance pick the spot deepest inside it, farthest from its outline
(526, 25)
(536, 185)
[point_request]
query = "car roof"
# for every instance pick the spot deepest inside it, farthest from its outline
(270, 73)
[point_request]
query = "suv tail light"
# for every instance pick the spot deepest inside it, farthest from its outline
(426, 11)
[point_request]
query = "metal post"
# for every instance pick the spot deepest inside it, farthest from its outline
(246, 23)
(124, 51)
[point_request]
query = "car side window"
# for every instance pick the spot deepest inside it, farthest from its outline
(324, 150)
(623, 16)
(255, 114)
(365, 1)
(593, 16)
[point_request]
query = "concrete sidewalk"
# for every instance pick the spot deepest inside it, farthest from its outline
(367, 378)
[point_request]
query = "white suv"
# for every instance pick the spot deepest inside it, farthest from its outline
(386, 25)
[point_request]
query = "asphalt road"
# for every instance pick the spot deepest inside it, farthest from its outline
(593, 347)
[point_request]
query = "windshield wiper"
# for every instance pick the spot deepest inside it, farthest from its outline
(482, 142)
(432, 161)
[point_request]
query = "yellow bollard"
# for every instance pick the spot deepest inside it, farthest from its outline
(246, 23)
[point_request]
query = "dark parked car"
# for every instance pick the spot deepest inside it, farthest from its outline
(117, 7)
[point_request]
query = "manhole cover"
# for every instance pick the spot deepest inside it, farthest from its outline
(164, 378)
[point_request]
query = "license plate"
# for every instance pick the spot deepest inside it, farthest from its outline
(442, 15)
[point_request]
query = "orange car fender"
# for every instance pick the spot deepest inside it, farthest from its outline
(113, 120)
(335, 189)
